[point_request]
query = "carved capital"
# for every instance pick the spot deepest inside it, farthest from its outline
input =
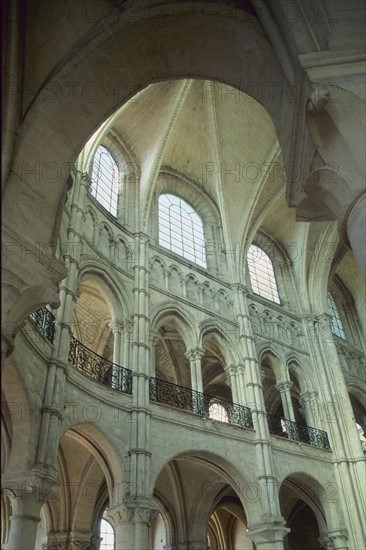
(116, 326)
(318, 99)
(307, 396)
(335, 540)
(154, 338)
(85, 180)
(31, 489)
(284, 386)
(195, 353)
(132, 513)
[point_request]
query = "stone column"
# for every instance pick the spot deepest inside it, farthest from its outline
(268, 535)
(116, 326)
(127, 336)
(267, 481)
(194, 356)
(131, 522)
(284, 387)
(117, 329)
(309, 405)
(335, 540)
(232, 383)
(140, 456)
(52, 408)
(27, 495)
(154, 338)
(24, 523)
(337, 419)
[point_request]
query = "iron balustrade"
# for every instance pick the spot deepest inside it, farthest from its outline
(284, 427)
(186, 399)
(99, 368)
(176, 396)
(45, 323)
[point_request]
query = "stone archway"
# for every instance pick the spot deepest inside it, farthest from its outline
(121, 55)
(200, 491)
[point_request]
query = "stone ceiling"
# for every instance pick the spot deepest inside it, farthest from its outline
(225, 143)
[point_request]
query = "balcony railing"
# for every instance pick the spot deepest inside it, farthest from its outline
(99, 368)
(297, 432)
(186, 399)
(45, 323)
(233, 412)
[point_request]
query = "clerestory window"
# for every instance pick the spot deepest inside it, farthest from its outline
(261, 272)
(181, 229)
(337, 327)
(105, 180)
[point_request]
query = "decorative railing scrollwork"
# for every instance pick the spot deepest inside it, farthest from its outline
(45, 323)
(278, 425)
(186, 399)
(99, 368)
(176, 396)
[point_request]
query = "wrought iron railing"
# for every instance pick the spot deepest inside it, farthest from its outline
(99, 368)
(186, 399)
(45, 323)
(176, 396)
(297, 432)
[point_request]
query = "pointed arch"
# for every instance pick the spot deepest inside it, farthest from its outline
(184, 321)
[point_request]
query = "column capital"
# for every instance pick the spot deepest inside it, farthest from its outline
(239, 287)
(336, 539)
(195, 353)
(308, 395)
(40, 483)
(85, 179)
(143, 237)
(240, 368)
(116, 326)
(230, 368)
(269, 532)
(131, 512)
(67, 540)
(309, 402)
(154, 337)
(284, 385)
